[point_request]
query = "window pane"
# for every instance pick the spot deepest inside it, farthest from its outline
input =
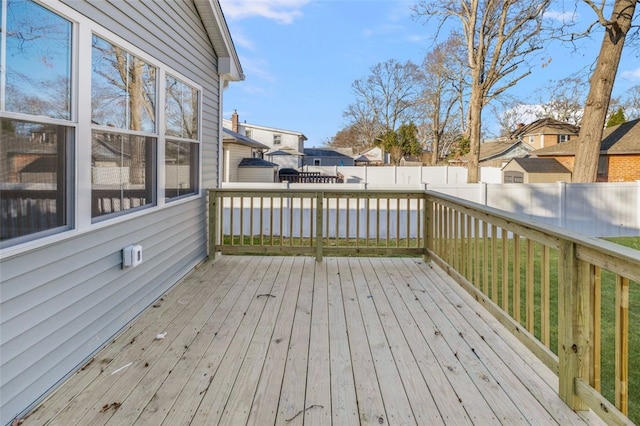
(122, 170)
(181, 109)
(181, 168)
(123, 89)
(33, 177)
(38, 79)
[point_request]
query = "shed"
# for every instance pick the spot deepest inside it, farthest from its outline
(535, 170)
(257, 170)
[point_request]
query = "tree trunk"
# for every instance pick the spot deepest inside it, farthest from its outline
(585, 168)
(475, 134)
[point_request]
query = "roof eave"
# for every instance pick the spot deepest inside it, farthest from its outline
(229, 67)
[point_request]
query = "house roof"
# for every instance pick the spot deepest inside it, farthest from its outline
(540, 165)
(256, 162)
(232, 137)
(324, 152)
(621, 139)
(491, 150)
(217, 30)
(545, 125)
(285, 151)
(226, 122)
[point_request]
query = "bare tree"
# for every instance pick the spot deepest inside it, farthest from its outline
(563, 100)
(386, 98)
(350, 137)
(361, 117)
(585, 168)
(441, 93)
(510, 112)
(498, 35)
(631, 102)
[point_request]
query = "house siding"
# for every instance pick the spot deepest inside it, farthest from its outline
(256, 174)
(235, 155)
(62, 302)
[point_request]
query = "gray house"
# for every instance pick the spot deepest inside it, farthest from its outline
(326, 157)
(112, 123)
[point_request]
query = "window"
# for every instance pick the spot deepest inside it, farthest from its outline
(603, 166)
(277, 139)
(316, 162)
(248, 133)
(42, 112)
(122, 88)
(122, 170)
(123, 157)
(35, 151)
(181, 146)
(563, 138)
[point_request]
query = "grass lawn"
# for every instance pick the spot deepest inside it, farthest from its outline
(608, 292)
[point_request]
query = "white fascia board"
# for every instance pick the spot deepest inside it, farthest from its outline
(229, 66)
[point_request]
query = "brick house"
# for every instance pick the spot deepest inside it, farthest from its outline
(619, 153)
(545, 132)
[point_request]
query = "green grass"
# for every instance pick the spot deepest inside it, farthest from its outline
(633, 242)
(608, 291)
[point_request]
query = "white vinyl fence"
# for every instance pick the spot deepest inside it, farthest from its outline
(593, 209)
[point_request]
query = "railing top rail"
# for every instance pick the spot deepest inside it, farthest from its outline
(284, 191)
(615, 257)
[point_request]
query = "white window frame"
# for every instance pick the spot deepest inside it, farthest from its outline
(80, 183)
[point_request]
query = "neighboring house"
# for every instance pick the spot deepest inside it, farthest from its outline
(325, 157)
(97, 168)
(619, 153)
(372, 157)
(545, 132)
(286, 147)
(410, 160)
(236, 150)
(535, 170)
(496, 154)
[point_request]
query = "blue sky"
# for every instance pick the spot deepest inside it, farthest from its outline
(300, 58)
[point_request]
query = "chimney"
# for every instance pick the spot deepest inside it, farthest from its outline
(234, 121)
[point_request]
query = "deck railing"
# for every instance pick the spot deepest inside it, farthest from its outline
(572, 300)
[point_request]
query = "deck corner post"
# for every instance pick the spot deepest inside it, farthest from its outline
(319, 220)
(574, 323)
(213, 223)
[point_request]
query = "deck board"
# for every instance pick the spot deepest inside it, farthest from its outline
(287, 340)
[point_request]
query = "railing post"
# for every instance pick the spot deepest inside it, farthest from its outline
(574, 323)
(213, 223)
(427, 227)
(319, 216)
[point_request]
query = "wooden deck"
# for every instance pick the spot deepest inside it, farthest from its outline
(286, 340)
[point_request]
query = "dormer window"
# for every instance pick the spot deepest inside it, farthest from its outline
(277, 139)
(563, 138)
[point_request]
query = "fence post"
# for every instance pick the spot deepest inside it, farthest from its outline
(574, 323)
(213, 223)
(562, 203)
(483, 193)
(319, 213)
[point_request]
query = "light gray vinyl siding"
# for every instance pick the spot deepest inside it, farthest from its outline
(236, 154)
(60, 303)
